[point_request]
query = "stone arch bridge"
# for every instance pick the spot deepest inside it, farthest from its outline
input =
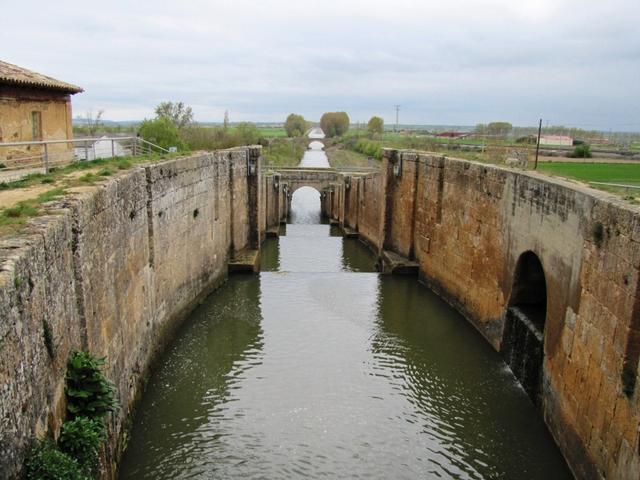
(327, 181)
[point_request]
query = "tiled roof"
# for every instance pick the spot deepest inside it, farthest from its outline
(12, 74)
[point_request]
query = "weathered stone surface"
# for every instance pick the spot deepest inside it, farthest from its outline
(467, 224)
(116, 268)
(114, 271)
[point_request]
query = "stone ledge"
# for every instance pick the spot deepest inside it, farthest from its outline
(392, 263)
(245, 261)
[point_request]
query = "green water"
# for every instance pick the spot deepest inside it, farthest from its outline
(321, 368)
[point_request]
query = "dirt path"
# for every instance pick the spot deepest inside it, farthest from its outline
(9, 198)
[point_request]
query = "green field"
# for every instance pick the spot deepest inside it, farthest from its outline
(272, 132)
(621, 173)
(627, 173)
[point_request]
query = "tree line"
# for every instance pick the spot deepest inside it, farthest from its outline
(333, 124)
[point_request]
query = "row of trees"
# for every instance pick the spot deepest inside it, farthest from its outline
(173, 126)
(333, 124)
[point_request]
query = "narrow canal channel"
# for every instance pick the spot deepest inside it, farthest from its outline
(321, 368)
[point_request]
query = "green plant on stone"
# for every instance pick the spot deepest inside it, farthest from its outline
(89, 393)
(46, 462)
(81, 439)
(20, 210)
(88, 178)
(123, 164)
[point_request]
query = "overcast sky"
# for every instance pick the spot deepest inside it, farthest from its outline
(446, 62)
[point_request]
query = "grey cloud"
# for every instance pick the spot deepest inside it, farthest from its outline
(446, 62)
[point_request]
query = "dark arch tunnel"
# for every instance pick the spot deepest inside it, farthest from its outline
(523, 336)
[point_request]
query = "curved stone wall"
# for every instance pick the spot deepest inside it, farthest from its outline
(467, 224)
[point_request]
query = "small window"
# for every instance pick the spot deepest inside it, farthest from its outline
(36, 125)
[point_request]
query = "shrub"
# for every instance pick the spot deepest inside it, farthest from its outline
(369, 148)
(81, 438)
(46, 462)
(247, 133)
(89, 393)
(163, 132)
(581, 151)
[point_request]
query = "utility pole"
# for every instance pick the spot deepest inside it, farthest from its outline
(535, 165)
(397, 114)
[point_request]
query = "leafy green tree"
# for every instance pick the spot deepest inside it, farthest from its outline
(162, 132)
(180, 114)
(334, 124)
(295, 125)
(375, 125)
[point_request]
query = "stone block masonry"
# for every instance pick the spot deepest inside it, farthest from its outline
(468, 225)
(114, 270)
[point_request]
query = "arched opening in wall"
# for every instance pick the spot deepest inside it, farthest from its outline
(523, 336)
(305, 206)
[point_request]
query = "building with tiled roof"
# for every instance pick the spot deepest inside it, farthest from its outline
(17, 76)
(33, 107)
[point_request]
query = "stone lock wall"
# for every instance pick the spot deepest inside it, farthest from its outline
(467, 224)
(114, 270)
(274, 205)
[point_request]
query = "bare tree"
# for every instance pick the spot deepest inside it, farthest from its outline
(93, 123)
(179, 113)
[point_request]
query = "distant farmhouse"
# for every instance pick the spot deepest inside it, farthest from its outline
(559, 140)
(452, 134)
(34, 107)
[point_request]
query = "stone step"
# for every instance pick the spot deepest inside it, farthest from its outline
(392, 263)
(349, 233)
(245, 261)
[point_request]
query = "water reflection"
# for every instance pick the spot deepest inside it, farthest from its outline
(474, 419)
(179, 419)
(315, 156)
(320, 368)
(305, 206)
